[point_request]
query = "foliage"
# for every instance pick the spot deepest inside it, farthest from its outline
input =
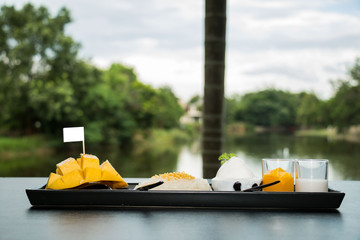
(344, 107)
(310, 112)
(196, 101)
(33, 45)
(22, 144)
(269, 108)
(233, 109)
(45, 86)
(274, 108)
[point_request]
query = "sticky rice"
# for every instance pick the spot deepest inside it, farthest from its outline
(176, 181)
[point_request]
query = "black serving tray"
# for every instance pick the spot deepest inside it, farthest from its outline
(197, 199)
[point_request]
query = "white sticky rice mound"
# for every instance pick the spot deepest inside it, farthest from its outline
(197, 184)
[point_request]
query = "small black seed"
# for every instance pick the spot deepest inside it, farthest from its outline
(254, 185)
(237, 186)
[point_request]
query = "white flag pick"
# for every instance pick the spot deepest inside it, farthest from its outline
(74, 134)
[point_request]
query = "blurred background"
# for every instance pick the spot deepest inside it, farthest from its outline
(131, 73)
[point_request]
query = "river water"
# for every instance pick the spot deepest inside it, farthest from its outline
(344, 157)
(141, 161)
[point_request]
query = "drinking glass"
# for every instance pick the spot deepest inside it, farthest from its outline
(277, 169)
(311, 175)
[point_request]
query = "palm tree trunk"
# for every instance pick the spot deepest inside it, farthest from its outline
(213, 110)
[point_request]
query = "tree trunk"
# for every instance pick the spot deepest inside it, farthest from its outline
(213, 110)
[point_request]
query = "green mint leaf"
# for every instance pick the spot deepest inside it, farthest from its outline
(225, 157)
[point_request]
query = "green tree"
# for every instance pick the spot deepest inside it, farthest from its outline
(37, 61)
(43, 81)
(196, 101)
(310, 112)
(344, 107)
(269, 108)
(232, 109)
(167, 111)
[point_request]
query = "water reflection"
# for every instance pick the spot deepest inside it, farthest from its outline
(190, 162)
(343, 156)
(145, 160)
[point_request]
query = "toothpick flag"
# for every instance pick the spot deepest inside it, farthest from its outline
(74, 134)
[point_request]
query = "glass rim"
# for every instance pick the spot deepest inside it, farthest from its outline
(311, 160)
(297, 159)
(279, 159)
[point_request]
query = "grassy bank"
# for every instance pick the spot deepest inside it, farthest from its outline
(24, 156)
(23, 146)
(315, 133)
(36, 156)
(351, 134)
(20, 143)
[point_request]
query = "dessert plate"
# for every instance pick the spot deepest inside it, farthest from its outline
(197, 199)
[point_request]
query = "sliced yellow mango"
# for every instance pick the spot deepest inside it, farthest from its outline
(91, 168)
(108, 172)
(116, 185)
(52, 178)
(67, 166)
(92, 174)
(88, 160)
(113, 178)
(70, 180)
(78, 160)
(73, 179)
(71, 173)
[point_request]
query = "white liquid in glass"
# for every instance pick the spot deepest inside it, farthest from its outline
(311, 185)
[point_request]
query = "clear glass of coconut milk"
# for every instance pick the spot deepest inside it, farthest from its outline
(311, 175)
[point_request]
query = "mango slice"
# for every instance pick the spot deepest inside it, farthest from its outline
(286, 181)
(52, 178)
(116, 185)
(78, 160)
(71, 173)
(70, 180)
(92, 174)
(108, 173)
(67, 166)
(88, 160)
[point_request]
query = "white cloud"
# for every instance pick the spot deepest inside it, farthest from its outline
(296, 70)
(182, 70)
(299, 48)
(294, 45)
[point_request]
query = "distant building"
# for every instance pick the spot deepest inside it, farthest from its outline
(192, 114)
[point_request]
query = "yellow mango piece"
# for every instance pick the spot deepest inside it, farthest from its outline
(71, 173)
(286, 183)
(67, 166)
(108, 173)
(88, 160)
(73, 179)
(117, 184)
(91, 168)
(92, 174)
(78, 160)
(69, 180)
(52, 178)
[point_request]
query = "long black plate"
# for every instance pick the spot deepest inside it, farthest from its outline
(197, 199)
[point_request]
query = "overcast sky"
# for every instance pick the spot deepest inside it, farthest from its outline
(291, 45)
